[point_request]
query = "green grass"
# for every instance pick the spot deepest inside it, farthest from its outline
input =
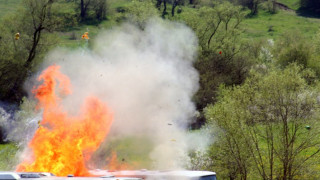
(113, 4)
(293, 4)
(72, 37)
(8, 6)
(266, 25)
(132, 151)
(7, 156)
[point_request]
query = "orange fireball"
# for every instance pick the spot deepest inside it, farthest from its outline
(85, 36)
(63, 143)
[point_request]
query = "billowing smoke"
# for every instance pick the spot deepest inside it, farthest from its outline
(146, 77)
(20, 126)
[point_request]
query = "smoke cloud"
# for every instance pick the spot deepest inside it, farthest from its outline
(20, 126)
(147, 79)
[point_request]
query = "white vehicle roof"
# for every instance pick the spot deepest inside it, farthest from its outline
(35, 176)
(116, 175)
(82, 178)
(9, 175)
(163, 174)
(189, 173)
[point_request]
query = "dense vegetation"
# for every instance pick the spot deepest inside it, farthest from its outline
(258, 62)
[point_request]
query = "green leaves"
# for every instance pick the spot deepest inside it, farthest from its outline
(212, 25)
(139, 12)
(264, 120)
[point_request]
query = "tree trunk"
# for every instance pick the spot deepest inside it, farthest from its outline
(17, 91)
(158, 5)
(82, 10)
(174, 5)
(164, 12)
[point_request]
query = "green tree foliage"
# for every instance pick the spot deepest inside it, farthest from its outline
(313, 62)
(223, 57)
(84, 8)
(253, 5)
(272, 6)
(215, 25)
(19, 56)
(139, 12)
(100, 9)
(162, 5)
(293, 47)
(263, 126)
(8, 159)
(88, 9)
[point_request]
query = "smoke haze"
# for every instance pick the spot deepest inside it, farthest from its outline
(146, 77)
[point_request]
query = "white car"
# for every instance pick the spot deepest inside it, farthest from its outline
(168, 175)
(49, 176)
(188, 175)
(9, 175)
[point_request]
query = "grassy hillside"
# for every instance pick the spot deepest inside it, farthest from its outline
(264, 25)
(72, 37)
(7, 156)
(7, 6)
(129, 152)
(267, 25)
(292, 4)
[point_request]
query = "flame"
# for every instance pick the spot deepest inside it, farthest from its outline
(115, 165)
(63, 144)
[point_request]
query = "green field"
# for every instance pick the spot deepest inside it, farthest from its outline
(7, 156)
(8, 6)
(266, 25)
(292, 4)
(130, 152)
(72, 37)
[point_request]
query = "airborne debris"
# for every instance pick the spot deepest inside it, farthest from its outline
(85, 36)
(39, 123)
(17, 36)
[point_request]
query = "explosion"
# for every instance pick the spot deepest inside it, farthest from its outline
(150, 81)
(64, 143)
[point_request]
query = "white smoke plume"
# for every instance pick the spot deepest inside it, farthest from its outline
(20, 126)
(146, 77)
(17, 128)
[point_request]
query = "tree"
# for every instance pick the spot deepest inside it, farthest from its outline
(251, 4)
(223, 57)
(272, 6)
(158, 5)
(292, 47)
(139, 12)
(174, 4)
(33, 22)
(100, 9)
(91, 9)
(278, 127)
(84, 8)
(213, 25)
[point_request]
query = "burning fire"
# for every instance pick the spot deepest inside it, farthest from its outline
(63, 144)
(114, 164)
